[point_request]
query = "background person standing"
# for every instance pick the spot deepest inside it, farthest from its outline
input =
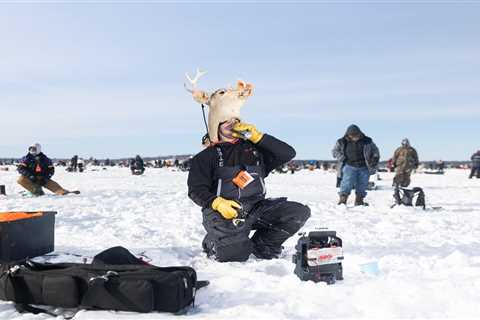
(405, 160)
(358, 158)
(475, 165)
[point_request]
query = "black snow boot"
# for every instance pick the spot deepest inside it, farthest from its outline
(343, 199)
(359, 201)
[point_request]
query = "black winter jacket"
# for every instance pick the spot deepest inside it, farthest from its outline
(370, 151)
(476, 160)
(201, 182)
(137, 163)
(39, 166)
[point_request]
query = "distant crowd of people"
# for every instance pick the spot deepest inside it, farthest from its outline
(136, 164)
(356, 154)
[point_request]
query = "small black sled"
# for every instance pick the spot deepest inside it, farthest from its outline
(437, 172)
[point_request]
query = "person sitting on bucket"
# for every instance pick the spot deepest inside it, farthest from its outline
(36, 171)
(358, 159)
(227, 180)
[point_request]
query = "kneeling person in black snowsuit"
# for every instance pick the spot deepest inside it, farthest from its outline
(227, 181)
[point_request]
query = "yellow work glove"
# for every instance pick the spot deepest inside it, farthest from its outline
(253, 134)
(226, 207)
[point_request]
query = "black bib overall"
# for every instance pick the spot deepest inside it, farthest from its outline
(274, 219)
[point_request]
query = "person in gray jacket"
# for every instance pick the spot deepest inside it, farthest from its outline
(358, 158)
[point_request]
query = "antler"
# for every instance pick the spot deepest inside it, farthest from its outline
(193, 82)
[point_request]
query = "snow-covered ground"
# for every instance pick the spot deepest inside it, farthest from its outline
(429, 261)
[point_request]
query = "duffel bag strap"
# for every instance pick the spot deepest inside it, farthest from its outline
(25, 307)
(201, 284)
(100, 285)
(90, 297)
(198, 285)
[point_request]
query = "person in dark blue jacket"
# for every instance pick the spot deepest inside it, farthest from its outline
(36, 171)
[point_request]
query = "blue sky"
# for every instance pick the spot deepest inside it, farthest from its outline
(106, 80)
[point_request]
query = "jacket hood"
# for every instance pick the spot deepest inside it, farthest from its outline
(354, 130)
(35, 149)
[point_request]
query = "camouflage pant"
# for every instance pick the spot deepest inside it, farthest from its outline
(402, 177)
(36, 189)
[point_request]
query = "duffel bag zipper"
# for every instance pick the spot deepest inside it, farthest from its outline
(19, 270)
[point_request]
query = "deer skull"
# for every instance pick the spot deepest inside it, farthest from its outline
(224, 104)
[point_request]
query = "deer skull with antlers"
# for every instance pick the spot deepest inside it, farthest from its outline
(224, 104)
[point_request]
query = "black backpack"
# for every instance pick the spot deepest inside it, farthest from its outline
(406, 197)
(116, 280)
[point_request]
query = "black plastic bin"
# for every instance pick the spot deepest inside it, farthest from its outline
(26, 234)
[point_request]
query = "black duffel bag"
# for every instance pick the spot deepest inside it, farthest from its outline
(131, 286)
